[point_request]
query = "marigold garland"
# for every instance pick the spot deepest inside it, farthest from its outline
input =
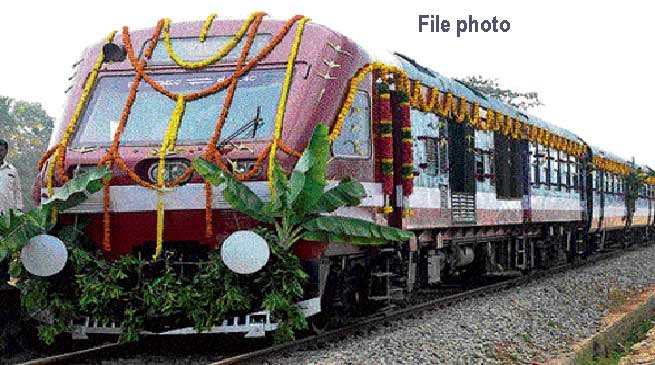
(206, 26)
(72, 125)
(106, 218)
(460, 112)
(279, 118)
(216, 57)
(407, 151)
(403, 84)
(46, 155)
(385, 144)
(50, 175)
(220, 85)
(494, 120)
(612, 166)
(209, 227)
(168, 145)
(112, 155)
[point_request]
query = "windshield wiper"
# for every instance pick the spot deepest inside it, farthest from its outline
(253, 124)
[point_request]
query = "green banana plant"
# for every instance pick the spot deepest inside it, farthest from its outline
(298, 202)
(17, 228)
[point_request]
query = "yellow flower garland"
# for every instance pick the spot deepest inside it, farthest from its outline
(495, 120)
(72, 126)
(205, 28)
(220, 54)
(167, 145)
(50, 174)
(279, 118)
(603, 163)
(403, 84)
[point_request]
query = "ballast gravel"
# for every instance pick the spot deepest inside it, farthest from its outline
(523, 325)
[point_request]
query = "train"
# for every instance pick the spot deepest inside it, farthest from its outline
(488, 189)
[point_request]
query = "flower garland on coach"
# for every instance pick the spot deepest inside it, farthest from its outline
(206, 26)
(279, 118)
(494, 120)
(113, 156)
(612, 166)
(410, 94)
(216, 57)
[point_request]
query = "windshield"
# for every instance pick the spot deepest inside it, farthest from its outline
(256, 97)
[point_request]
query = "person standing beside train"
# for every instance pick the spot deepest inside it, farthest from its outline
(10, 195)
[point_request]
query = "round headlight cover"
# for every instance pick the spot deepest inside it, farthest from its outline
(173, 169)
(245, 252)
(44, 255)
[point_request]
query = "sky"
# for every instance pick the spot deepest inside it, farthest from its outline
(590, 61)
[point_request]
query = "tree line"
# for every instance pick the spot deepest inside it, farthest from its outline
(27, 127)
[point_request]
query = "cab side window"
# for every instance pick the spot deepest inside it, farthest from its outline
(355, 138)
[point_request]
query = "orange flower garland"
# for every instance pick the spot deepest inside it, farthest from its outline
(113, 157)
(495, 120)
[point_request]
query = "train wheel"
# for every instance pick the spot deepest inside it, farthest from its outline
(327, 318)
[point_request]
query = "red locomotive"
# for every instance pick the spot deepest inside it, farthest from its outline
(487, 188)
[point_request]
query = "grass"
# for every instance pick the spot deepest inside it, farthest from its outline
(636, 336)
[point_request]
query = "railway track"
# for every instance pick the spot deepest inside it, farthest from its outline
(112, 350)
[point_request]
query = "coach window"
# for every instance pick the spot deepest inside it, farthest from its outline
(443, 151)
(574, 173)
(544, 162)
(479, 167)
(566, 180)
(534, 170)
(554, 169)
(431, 160)
(355, 138)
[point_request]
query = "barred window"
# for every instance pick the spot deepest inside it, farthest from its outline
(431, 158)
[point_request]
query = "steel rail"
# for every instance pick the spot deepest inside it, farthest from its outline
(379, 318)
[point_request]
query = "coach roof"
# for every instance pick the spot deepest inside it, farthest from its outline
(434, 79)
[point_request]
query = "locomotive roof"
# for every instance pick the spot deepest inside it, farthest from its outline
(435, 79)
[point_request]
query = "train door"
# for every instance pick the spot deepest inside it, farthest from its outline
(461, 156)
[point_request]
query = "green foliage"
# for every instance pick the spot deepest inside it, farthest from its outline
(17, 228)
(236, 194)
(353, 230)
(491, 87)
(297, 201)
(139, 294)
(347, 194)
(293, 213)
(634, 181)
(25, 126)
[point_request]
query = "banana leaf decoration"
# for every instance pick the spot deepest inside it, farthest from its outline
(16, 228)
(300, 200)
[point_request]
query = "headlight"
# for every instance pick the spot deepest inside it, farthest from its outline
(44, 255)
(245, 252)
(173, 169)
